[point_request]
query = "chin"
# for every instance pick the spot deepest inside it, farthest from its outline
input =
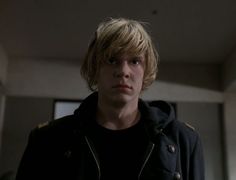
(123, 98)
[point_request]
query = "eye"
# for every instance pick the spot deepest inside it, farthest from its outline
(112, 61)
(135, 61)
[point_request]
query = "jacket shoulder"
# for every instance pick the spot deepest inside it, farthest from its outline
(189, 126)
(54, 128)
(184, 127)
(186, 135)
(57, 123)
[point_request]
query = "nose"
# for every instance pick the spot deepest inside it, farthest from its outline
(122, 70)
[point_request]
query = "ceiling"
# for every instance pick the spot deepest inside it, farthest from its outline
(200, 31)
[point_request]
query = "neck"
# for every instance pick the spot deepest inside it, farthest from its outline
(117, 117)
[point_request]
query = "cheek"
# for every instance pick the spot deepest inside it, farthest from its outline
(139, 77)
(104, 75)
(105, 71)
(140, 74)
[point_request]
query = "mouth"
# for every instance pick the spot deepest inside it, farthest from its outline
(122, 86)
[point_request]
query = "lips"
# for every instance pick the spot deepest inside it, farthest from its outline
(122, 86)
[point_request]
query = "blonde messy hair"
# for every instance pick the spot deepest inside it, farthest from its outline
(116, 37)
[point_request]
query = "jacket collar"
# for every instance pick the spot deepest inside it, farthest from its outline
(156, 115)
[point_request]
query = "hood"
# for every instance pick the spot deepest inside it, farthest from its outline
(156, 114)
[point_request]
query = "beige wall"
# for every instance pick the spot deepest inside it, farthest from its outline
(3, 72)
(22, 115)
(3, 65)
(207, 120)
(42, 78)
(230, 126)
(229, 73)
(207, 76)
(29, 77)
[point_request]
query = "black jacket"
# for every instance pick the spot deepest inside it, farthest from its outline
(61, 149)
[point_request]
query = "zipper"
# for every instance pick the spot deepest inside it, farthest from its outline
(94, 156)
(146, 159)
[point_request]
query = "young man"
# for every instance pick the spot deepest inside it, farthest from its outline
(114, 135)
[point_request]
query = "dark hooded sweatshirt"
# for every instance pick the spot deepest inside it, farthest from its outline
(72, 148)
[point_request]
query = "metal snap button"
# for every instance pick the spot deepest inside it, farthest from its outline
(171, 148)
(177, 175)
(67, 154)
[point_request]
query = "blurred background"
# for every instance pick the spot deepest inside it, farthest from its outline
(42, 43)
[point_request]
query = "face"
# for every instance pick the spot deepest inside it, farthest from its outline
(120, 79)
